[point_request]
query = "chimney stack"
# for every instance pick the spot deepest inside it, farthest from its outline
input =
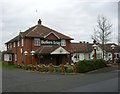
(39, 21)
(80, 41)
(94, 41)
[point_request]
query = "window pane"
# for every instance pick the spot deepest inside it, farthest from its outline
(63, 43)
(36, 42)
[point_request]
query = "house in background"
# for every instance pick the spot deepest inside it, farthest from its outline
(38, 44)
(84, 51)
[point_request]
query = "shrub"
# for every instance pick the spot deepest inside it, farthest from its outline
(89, 65)
(118, 60)
(56, 69)
(46, 68)
(69, 69)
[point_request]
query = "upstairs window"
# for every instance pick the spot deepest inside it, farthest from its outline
(18, 43)
(22, 42)
(14, 44)
(36, 42)
(63, 43)
(10, 45)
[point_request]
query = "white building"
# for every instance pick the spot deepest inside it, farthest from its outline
(84, 51)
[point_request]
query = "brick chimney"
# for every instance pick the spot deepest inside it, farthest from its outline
(39, 21)
(94, 41)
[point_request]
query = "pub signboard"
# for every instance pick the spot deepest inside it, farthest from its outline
(50, 42)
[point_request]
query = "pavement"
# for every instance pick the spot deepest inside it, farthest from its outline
(102, 80)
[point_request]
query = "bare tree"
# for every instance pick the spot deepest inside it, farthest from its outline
(102, 31)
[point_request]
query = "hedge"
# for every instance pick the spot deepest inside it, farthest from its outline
(89, 65)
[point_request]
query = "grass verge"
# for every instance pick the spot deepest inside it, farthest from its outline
(6, 66)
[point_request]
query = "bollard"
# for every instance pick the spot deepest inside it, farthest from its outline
(62, 68)
(42, 67)
(50, 67)
(32, 67)
(36, 67)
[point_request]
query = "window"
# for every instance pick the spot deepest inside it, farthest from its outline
(22, 42)
(99, 55)
(10, 45)
(36, 42)
(7, 57)
(63, 43)
(14, 44)
(18, 43)
(77, 56)
(117, 55)
(15, 57)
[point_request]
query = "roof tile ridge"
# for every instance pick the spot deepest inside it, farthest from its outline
(31, 30)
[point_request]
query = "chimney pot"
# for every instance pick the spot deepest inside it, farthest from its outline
(39, 21)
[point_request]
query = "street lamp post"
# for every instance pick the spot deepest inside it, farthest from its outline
(25, 53)
(95, 47)
(32, 53)
(113, 48)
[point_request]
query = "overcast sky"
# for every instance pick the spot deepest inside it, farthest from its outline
(74, 18)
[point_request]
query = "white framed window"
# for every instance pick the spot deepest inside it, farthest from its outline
(22, 42)
(77, 56)
(7, 57)
(18, 43)
(63, 43)
(15, 57)
(36, 42)
(14, 44)
(10, 45)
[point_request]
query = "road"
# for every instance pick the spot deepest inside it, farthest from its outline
(102, 80)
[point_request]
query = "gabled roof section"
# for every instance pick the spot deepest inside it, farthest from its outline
(42, 31)
(60, 50)
(13, 40)
(50, 34)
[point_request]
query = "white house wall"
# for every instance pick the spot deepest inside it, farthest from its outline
(82, 56)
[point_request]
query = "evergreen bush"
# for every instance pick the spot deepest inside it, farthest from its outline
(89, 65)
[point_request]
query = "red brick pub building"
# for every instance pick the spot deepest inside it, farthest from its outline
(39, 44)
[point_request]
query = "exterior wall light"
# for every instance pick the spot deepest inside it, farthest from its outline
(32, 53)
(94, 47)
(25, 53)
(113, 51)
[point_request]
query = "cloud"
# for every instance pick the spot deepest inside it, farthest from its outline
(75, 18)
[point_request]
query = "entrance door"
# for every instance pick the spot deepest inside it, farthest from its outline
(58, 59)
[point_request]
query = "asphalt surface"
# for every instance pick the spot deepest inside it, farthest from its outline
(102, 80)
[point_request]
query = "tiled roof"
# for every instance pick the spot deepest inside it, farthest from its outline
(82, 47)
(42, 31)
(14, 39)
(107, 47)
(87, 47)
(39, 31)
(46, 49)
